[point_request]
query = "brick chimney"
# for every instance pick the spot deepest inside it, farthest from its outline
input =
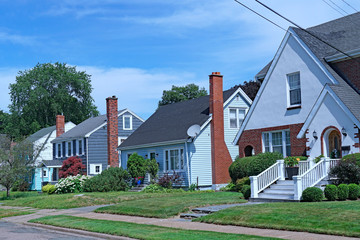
(112, 131)
(60, 125)
(220, 156)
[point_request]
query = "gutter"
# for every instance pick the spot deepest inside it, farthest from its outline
(151, 144)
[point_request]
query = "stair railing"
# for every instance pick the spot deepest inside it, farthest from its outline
(266, 178)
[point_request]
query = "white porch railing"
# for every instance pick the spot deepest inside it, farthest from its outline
(267, 177)
(334, 162)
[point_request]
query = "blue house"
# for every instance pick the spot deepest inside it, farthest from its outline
(202, 159)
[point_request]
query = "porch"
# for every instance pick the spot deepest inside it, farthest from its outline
(273, 185)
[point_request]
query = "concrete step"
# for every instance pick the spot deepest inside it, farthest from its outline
(276, 196)
(285, 182)
(271, 200)
(192, 215)
(282, 187)
(279, 191)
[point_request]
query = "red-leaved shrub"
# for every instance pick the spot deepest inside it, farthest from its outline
(71, 167)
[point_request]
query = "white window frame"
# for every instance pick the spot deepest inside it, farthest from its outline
(67, 149)
(238, 109)
(93, 169)
(288, 89)
(131, 125)
(46, 172)
(78, 147)
(283, 136)
(183, 158)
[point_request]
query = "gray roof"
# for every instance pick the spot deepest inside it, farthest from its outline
(344, 34)
(52, 162)
(264, 70)
(84, 128)
(41, 133)
(171, 122)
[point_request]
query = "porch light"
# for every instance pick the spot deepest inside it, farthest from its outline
(315, 135)
(343, 131)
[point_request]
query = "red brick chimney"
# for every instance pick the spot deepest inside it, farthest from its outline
(60, 125)
(112, 131)
(220, 156)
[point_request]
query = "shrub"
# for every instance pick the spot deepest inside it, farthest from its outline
(241, 196)
(193, 187)
(21, 185)
(346, 171)
(71, 167)
(48, 188)
(167, 181)
(312, 194)
(228, 188)
(354, 157)
(354, 191)
(71, 184)
(250, 166)
(240, 183)
(156, 188)
(331, 192)
(111, 179)
(343, 192)
(152, 167)
(246, 191)
(136, 166)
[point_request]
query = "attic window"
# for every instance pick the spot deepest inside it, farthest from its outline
(294, 89)
(127, 122)
(236, 117)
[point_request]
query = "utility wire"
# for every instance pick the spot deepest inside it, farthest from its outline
(260, 15)
(339, 7)
(333, 7)
(349, 5)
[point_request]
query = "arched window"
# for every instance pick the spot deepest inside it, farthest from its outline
(249, 151)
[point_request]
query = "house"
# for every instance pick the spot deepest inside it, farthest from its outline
(309, 100)
(96, 139)
(42, 143)
(203, 157)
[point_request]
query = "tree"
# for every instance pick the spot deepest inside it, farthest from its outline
(3, 121)
(16, 161)
(71, 167)
(182, 93)
(45, 91)
(250, 88)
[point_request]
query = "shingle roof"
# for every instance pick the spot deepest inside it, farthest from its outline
(171, 122)
(264, 70)
(84, 128)
(41, 133)
(52, 162)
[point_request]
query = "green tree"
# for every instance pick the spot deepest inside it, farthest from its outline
(182, 93)
(16, 161)
(250, 88)
(3, 121)
(45, 91)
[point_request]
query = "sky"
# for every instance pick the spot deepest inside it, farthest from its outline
(135, 49)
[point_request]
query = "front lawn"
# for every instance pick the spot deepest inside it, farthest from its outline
(12, 212)
(171, 204)
(338, 218)
(138, 231)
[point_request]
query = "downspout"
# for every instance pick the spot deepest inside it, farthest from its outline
(87, 156)
(187, 162)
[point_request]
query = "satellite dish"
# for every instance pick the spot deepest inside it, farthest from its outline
(194, 130)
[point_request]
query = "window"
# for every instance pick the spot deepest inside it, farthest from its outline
(294, 89)
(127, 122)
(95, 168)
(44, 172)
(278, 141)
(59, 150)
(152, 155)
(236, 116)
(80, 147)
(55, 174)
(174, 159)
(69, 149)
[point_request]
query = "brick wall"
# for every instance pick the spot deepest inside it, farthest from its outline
(253, 138)
(112, 131)
(220, 156)
(350, 69)
(60, 125)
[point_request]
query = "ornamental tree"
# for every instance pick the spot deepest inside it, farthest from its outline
(71, 167)
(182, 93)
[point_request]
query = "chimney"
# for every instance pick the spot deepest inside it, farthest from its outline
(112, 131)
(60, 125)
(220, 156)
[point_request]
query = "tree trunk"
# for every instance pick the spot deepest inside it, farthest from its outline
(8, 192)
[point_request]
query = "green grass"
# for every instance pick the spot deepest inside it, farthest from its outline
(138, 231)
(337, 218)
(11, 212)
(15, 195)
(171, 204)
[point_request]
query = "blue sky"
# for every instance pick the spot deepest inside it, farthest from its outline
(135, 49)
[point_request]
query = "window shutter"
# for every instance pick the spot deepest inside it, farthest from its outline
(92, 169)
(74, 148)
(64, 149)
(54, 150)
(84, 150)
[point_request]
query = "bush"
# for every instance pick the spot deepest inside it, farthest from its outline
(346, 171)
(156, 188)
(354, 191)
(111, 179)
(193, 187)
(353, 156)
(167, 181)
(331, 192)
(343, 192)
(48, 188)
(71, 167)
(246, 191)
(312, 194)
(136, 166)
(21, 185)
(71, 184)
(228, 188)
(152, 167)
(251, 166)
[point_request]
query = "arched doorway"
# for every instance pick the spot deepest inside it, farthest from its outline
(334, 144)
(249, 151)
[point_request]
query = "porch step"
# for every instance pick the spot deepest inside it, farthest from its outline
(271, 200)
(277, 196)
(279, 191)
(282, 187)
(138, 188)
(285, 182)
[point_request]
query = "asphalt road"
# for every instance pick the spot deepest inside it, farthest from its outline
(14, 231)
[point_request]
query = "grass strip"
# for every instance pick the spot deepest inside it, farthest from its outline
(134, 230)
(171, 204)
(336, 218)
(12, 212)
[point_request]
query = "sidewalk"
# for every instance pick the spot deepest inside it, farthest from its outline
(174, 223)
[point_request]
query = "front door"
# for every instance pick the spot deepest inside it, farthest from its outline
(334, 144)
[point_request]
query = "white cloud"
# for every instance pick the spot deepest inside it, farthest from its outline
(7, 76)
(17, 39)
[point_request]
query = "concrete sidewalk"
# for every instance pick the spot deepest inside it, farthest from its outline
(174, 223)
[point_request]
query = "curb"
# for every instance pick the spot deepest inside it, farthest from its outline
(78, 232)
